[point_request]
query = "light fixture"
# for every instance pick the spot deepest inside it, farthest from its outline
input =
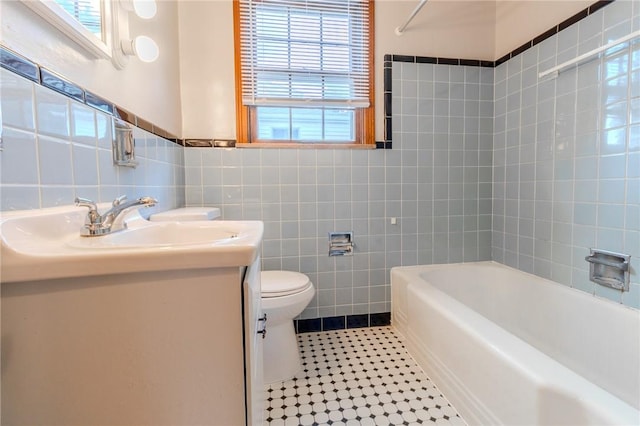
(144, 9)
(142, 46)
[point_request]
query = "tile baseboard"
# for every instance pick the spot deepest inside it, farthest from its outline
(342, 322)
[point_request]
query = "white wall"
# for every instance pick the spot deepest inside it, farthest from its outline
(517, 22)
(150, 91)
(207, 78)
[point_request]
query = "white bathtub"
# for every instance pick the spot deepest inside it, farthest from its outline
(506, 347)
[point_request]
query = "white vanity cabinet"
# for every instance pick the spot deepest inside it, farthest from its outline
(175, 347)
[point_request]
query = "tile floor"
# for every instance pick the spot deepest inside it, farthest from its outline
(360, 376)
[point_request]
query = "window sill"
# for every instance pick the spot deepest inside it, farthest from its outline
(287, 145)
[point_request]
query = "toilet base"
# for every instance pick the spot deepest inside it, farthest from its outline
(281, 354)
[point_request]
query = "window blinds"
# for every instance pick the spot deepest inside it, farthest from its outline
(305, 53)
(87, 12)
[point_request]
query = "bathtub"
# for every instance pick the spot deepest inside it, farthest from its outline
(506, 347)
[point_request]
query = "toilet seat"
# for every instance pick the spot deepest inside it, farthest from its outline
(282, 283)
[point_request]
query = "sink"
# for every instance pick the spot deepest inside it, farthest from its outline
(46, 244)
(168, 234)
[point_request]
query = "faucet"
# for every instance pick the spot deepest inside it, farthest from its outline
(112, 220)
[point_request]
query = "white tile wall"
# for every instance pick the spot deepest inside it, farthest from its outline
(566, 154)
(55, 149)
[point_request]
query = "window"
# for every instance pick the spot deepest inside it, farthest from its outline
(87, 22)
(87, 12)
(304, 71)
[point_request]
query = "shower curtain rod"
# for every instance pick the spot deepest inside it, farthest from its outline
(582, 58)
(400, 29)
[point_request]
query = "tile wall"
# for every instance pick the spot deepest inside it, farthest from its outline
(486, 164)
(55, 148)
(436, 182)
(567, 154)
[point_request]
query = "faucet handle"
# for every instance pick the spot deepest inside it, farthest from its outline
(121, 199)
(85, 202)
(93, 215)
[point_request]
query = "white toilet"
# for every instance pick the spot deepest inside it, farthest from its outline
(285, 294)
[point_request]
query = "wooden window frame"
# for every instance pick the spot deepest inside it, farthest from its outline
(246, 119)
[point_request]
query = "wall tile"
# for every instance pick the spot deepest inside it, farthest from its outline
(585, 143)
(19, 158)
(16, 101)
(68, 153)
(52, 113)
(54, 157)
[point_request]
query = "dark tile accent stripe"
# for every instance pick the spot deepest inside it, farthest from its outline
(333, 323)
(342, 322)
(144, 124)
(403, 58)
(378, 320)
(448, 61)
(545, 35)
(308, 325)
(440, 61)
(98, 103)
(358, 321)
(17, 64)
(572, 20)
(60, 85)
(426, 60)
(125, 115)
(387, 78)
(522, 48)
(502, 60)
(470, 62)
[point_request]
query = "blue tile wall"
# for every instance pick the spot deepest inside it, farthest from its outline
(436, 183)
(567, 154)
(487, 163)
(55, 148)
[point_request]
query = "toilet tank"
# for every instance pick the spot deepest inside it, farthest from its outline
(186, 214)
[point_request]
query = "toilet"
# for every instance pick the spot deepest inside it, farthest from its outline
(285, 294)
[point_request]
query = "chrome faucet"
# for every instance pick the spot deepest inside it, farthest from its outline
(112, 220)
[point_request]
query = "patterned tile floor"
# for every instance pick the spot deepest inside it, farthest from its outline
(360, 376)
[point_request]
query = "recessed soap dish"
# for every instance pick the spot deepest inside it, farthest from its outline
(609, 269)
(341, 243)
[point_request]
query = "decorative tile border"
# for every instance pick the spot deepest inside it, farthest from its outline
(20, 65)
(342, 322)
(389, 59)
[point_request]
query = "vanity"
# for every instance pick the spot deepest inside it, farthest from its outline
(157, 324)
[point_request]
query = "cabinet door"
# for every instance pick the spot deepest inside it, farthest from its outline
(254, 323)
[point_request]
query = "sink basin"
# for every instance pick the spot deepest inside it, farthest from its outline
(46, 244)
(168, 234)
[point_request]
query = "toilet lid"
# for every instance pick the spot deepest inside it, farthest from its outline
(282, 283)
